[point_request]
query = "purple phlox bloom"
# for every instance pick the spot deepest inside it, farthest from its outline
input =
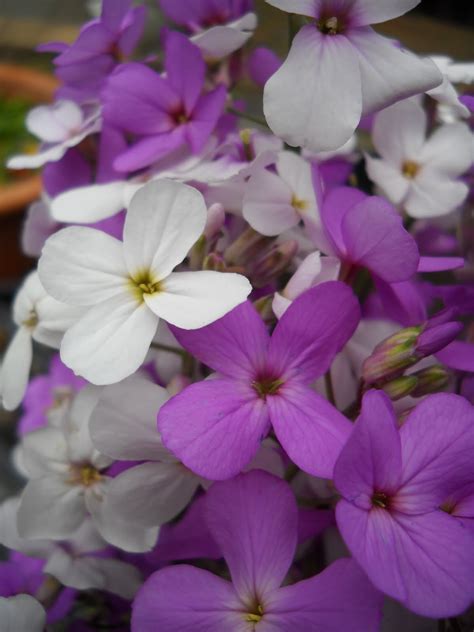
(101, 45)
(402, 302)
(164, 112)
(217, 27)
(366, 232)
(339, 69)
(262, 63)
(48, 395)
(254, 520)
(215, 426)
(394, 484)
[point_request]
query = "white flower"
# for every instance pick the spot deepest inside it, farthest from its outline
(420, 175)
(68, 483)
(223, 39)
(59, 126)
(21, 613)
(450, 109)
(38, 317)
(123, 426)
(127, 286)
(275, 202)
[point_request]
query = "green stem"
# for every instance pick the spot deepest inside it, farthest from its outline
(169, 349)
(248, 117)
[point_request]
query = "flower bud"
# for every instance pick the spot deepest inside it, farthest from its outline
(273, 263)
(246, 248)
(430, 380)
(389, 361)
(435, 338)
(400, 387)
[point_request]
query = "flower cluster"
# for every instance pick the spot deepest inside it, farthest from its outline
(259, 413)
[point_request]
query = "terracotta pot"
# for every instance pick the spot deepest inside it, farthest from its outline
(37, 87)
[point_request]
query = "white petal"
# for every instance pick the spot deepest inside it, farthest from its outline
(267, 204)
(151, 494)
(449, 150)
(44, 451)
(79, 442)
(82, 266)
(111, 341)
(123, 424)
(220, 41)
(21, 613)
(280, 304)
(390, 179)
(375, 11)
(38, 226)
(191, 300)
(54, 123)
(35, 161)
(86, 205)
(50, 508)
(389, 74)
(314, 100)
(305, 276)
(300, 7)
(87, 572)
(434, 195)
(15, 369)
(30, 293)
(125, 535)
(54, 317)
(10, 537)
(163, 222)
(399, 132)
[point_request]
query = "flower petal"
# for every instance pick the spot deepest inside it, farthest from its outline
(309, 428)
(235, 345)
(191, 300)
(90, 204)
(164, 220)
(187, 599)
(306, 101)
(185, 68)
(375, 11)
(22, 612)
(111, 341)
(432, 195)
(300, 7)
(82, 266)
(214, 427)
(15, 369)
(254, 519)
(449, 150)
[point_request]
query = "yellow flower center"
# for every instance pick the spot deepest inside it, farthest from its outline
(143, 283)
(254, 617)
(410, 169)
(298, 204)
(266, 386)
(330, 26)
(32, 320)
(381, 500)
(85, 475)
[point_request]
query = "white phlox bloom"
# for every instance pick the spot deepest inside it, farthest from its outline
(59, 126)
(223, 39)
(123, 426)
(126, 287)
(38, 317)
(68, 483)
(74, 563)
(450, 108)
(312, 271)
(275, 202)
(38, 226)
(21, 613)
(420, 174)
(338, 70)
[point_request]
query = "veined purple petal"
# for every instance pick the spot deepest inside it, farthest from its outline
(235, 345)
(208, 109)
(214, 427)
(187, 599)
(131, 34)
(426, 561)
(371, 460)
(339, 598)
(185, 68)
(113, 13)
(335, 207)
(458, 355)
(148, 150)
(313, 330)
(439, 264)
(309, 428)
(254, 518)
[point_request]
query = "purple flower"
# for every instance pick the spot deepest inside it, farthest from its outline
(395, 484)
(254, 520)
(368, 232)
(165, 112)
(215, 426)
(101, 45)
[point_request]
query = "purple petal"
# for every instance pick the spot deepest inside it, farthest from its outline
(339, 598)
(187, 599)
(235, 345)
(113, 12)
(335, 207)
(371, 459)
(309, 428)
(374, 237)
(185, 68)
(253, 518)
(426, 561)
(458, 355)
(93, 40)
(402, 302)
(437, 448)
(183, 12)
(133, 32)
(262, 64)
(204, 118)
(72, 171)
(440, 264)
(147, 151)
(313, 330)
(214, 427)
